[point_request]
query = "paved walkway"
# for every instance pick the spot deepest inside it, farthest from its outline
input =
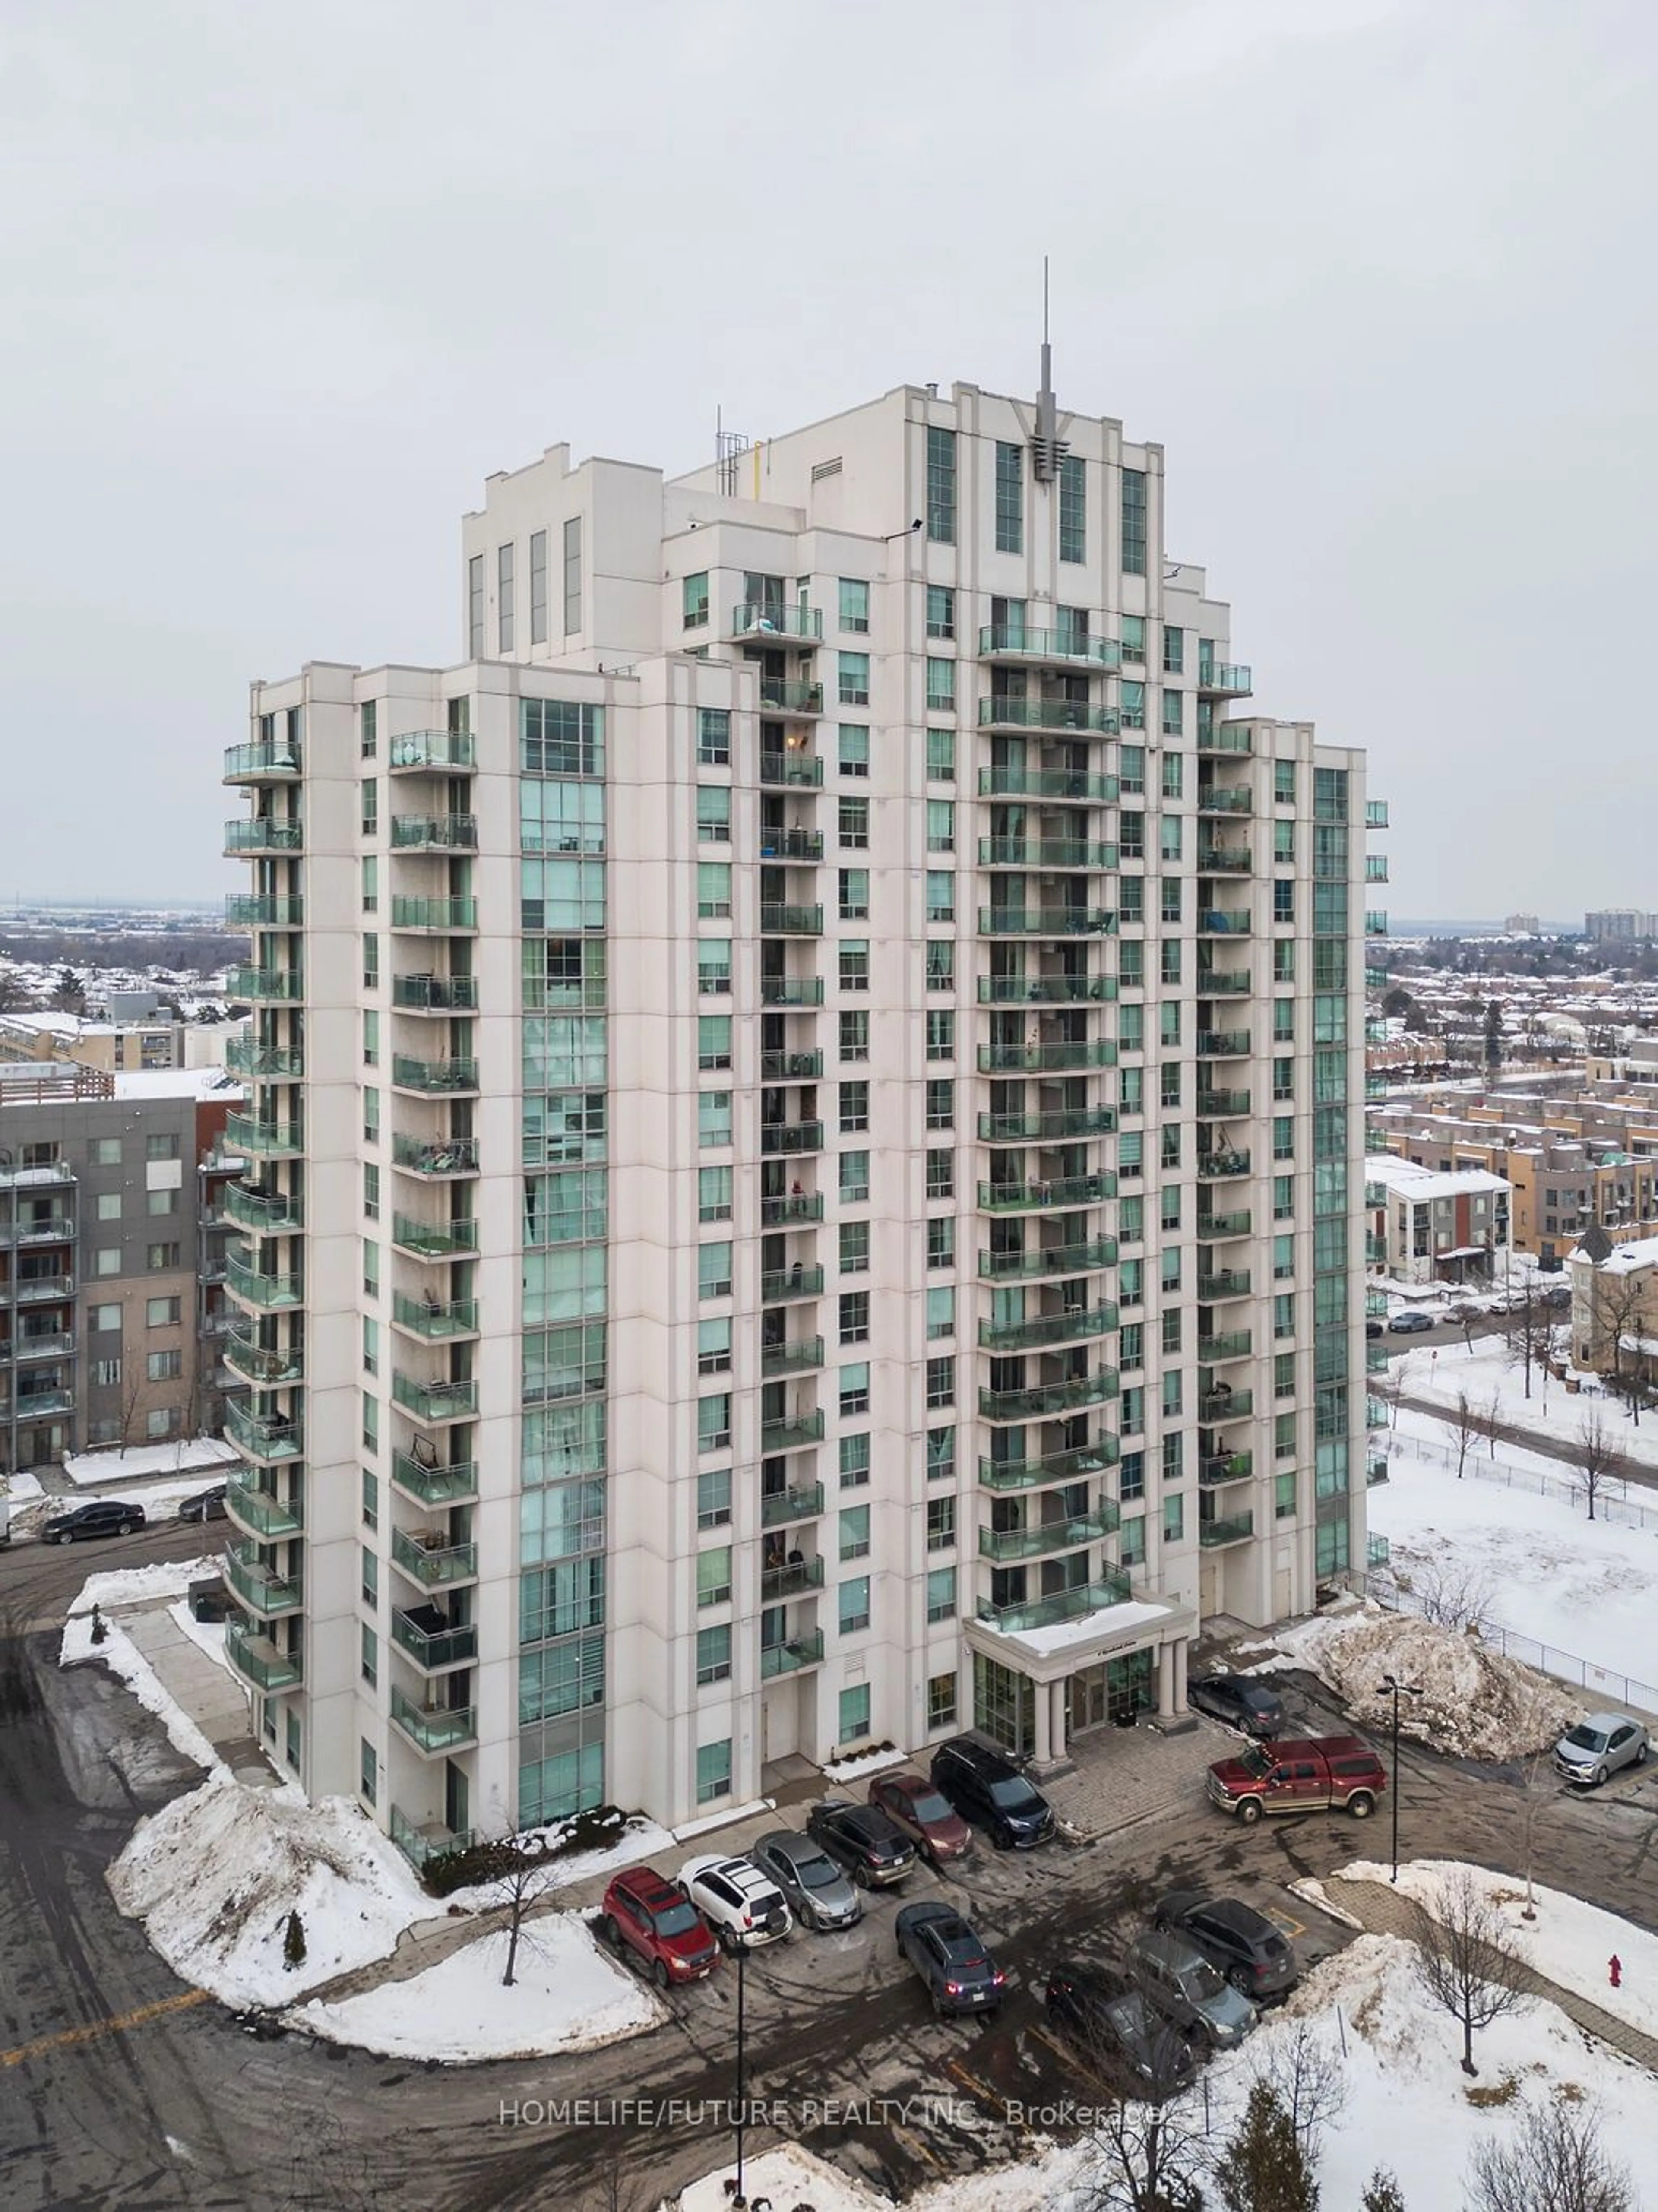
(1126, 1776)
(200, 1686)
(1379, 1909)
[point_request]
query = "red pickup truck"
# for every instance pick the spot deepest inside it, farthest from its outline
(1322, 1774)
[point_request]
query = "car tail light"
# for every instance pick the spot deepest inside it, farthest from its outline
(998, 1979)
(748, 1920)
(952, 1989)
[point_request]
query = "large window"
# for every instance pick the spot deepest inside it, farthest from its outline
(1009, 498)
(940, 611)
(1133, 522)
(1073, 507)
(941, 486)
(855, 604)
(475, 606)
(572, 576)
(504, 598)
(538, 587)
(694, 599)
(853, 670)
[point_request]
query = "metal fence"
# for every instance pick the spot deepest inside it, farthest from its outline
(1600, 1684)
(1612, 1500)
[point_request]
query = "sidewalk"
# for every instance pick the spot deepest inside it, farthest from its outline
(200, 1686)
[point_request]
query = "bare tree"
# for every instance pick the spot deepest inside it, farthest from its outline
(1490, 1409)
(1619, 1300)
(1305, 2075)
(132, 1390)
(1598, 1455)
(1462, 1425)
(523, 1879)
(1554, 2162)
(1536, 1782)
(1467, 1960)
(1146, 2150)
(1457, 1597)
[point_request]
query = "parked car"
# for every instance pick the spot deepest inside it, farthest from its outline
(925, 1815)
(1598, 1747)
(1183, 1985)
(1247, 1705)
(874, 1852)
(814, 1886)
(1411, 1324)
(1557, 1294)
(210, 1601)
(206, 1505)
(984, 1785)
(644, 1913)
(743, 1907)
(1117, 2027)
(103, 1516)
(959, 1972)
(1373, 1329)
(1255, 1957)
(1325, 1773)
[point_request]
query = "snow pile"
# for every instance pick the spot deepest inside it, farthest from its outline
(86, 1469)
(214, 1876)
(789, 2176)
(139, 1585)
(123, 1659)
(1474, 1703)
(565, 1996)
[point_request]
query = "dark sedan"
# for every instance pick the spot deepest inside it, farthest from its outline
(959, 1972)
(1411, 1324)
(1244, 1704)
(105, 1516)
(1117, 2033)
(925, 1815)
(1255, 1957)
(206, 1505)
(866, 1843)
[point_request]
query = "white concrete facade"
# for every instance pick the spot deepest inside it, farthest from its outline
(1427, 1225)
(896, 908)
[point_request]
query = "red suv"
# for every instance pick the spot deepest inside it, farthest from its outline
(650, 1917)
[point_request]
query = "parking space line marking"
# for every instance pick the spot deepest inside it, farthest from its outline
(116, 2025)
(917, 2149)
(1287, 1921)
(974, 2087)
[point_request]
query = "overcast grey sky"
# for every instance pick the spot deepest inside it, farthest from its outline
(283, 283)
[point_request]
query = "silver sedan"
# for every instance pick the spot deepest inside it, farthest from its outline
(817, 1891)
(1599, 1746)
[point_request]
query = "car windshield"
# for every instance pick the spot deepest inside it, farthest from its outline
(1015, 1795)
(819, 1873)
(1258, 1762)
(928, 1805)
(1584, 1738)
(674, 1920)
(1201, 1982)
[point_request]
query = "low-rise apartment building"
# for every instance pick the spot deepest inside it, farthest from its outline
(1428, 1227)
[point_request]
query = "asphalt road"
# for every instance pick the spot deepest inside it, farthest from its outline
(186, 2107)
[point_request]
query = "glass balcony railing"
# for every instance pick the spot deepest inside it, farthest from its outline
(246, 1132)
(434, 1078)
(1064, 1466)
(1065, 1190)
(791, 1067)
(435, 1401)
(258, 1660)
(804, 1502)
(803, 1650)
(1067, 714)
(1047, 990)
(1223, 1044)
(1064, 648)
(1225, 799)
(434, 913)
(432, 1649)
(778, 921)
(1098, 1597)
(445, 1156)
(792, 770)
(243, 911)
(1225, 860)
(801, 625)
(1048, 1259)
(447, 1729)
(1224, 922)
(265, 986)
(791, 1137)
(436, 1320)
(1046, 1401)
(796, 1205)
(1229, 678)
(1217, 1165)
(1051, 1128)
(453, 1483)
(428, 1556)
(263, 835)
(268, 1437)
(42, 1290)
(803, 845)
(1071, 1326)
(259, 1587)
(1219, 1467)
(265, 1364)
(445, 751)
(796, 1282)
(434, 833)
(791, 990)
(1045, 921)
(1375, 924)
(793, 1356)
(1062, 785)
(1048, 853)
(1221, 1404)
(781, 1436)
(245, 1055)
(1237, 1529)
(254, 1287)
(1224, 983)
(1069, 1053)
(1224, 1283)
(785, 695)
(433, 1240)
(1228, 1344)
(261, 1511)
(1007, 1546)
(435, 994)
(778, 1585)
(1222, 1105)
(1225, 738)
(268, 760)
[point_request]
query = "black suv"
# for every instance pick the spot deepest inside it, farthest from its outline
(105, 1516)
(960, 1974)
(872, 1850)
(984, 1785)
(1240, 1942)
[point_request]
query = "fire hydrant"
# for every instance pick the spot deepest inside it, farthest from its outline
(1615, 1969)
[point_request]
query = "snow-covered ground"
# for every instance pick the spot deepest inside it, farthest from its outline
(126, 1586)
(122, 1657)
(96, 1470)
(1489, 1376)
(565, 1996)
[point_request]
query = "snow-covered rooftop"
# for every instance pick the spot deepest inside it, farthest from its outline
(1413, 1181)
(199, 1082)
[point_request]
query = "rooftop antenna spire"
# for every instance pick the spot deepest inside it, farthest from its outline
(1047, 447)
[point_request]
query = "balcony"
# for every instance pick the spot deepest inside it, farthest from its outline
(1063, 1605)
(767, 622)
(245, 1055)
(1223, 1044)
(782, 1436)
(48, 1344)
(791, 1137)
(267, 985)
(428, 1556)
(1067, 1190)
(1047, 990)
(259, 1587)
(436, 1321)
(1237, 1529)
(803, 845)
(258, 1660)
(441, 1161)
(792, 991)
(1221, 1404)
(37, 1404)
(435, 994)
(791, 771)
(254, 1287)
(434, 1239)
(778, 1508)
(784, 695)
(260, 1512)
(796, 1205)
(1052, 854)
(270, 1438)
(778, 1583)
(778, 921)
(1229, 1344)
(1224, 983)
(1047, 1401)
(1375, 924)
(269, 760)
(441, 752)
(1228, 799)
(1050, 1128)
(1063, 785)
(1214, 1167)
(246, 1132)
(1006, 1546)
(1225, 738)
(1223, 679)
(1070, 1327)
(804, 1651)
(433, 1077)
(435, 1401)
(791, 1067)
(1065, 1466)
(242, 911)
(449, 915)
(432, 1731)
(1059, 648)
(42, 1290)
(796, 1282)
(1224, 922)
(434, 833)
(262, 834)
(1222, 1105)
(261, 1363)
(421, 1841)
(794, 1356)
(1069, 715)
(40, 1228)
(1066, 1056)
(1048, 1260)
(432, 1642)
(1045, 921)
(1225, 860)
(454, 1484)
(1225, 1467)
(1225, 1283)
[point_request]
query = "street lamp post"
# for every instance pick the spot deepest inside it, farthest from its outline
(1393, 1687)
(738, 2200)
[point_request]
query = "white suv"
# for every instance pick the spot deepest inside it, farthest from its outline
(743, 1907)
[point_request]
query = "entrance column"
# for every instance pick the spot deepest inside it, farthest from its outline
(1181, 1652)
(1166, 1681)
(1043, 1710)
(1056, 1690)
